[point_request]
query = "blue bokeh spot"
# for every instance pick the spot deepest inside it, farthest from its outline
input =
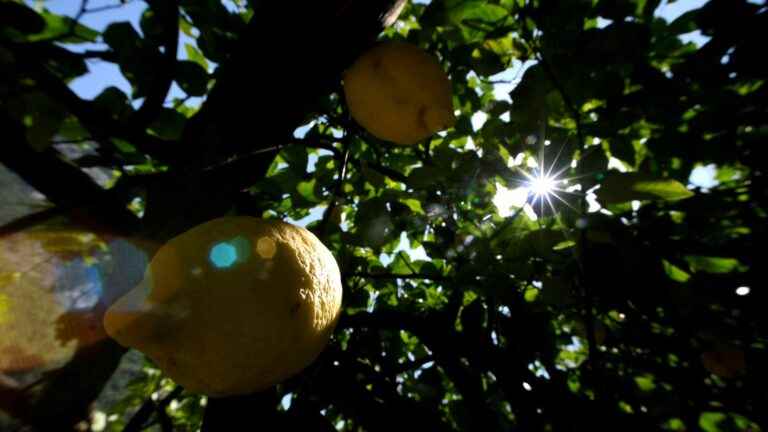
(223, 255)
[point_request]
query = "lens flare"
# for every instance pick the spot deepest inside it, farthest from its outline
(542, 185)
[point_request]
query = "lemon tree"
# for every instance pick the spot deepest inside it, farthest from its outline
(546, 215)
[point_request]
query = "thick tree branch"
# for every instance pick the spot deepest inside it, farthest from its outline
(62, 183)
(102, 127)
(29, 221)
(219, 130)
(167, 12)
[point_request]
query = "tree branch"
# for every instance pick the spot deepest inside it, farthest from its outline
(62, 183)
(448, 348)
(107, 7)
(100, 126)
(168, 13)
(397, 276)
(343, 160)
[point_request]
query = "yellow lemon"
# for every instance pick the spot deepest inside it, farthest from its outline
(232, 306)
(399, 93)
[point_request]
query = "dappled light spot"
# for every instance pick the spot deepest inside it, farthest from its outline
(740, 291)
(266, 247)
(223, 255)
(226, 254)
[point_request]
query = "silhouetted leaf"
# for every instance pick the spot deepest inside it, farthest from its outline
(624, 187)
(192, 78)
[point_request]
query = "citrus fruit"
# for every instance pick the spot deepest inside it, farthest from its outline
(399, 93)
(232, 306)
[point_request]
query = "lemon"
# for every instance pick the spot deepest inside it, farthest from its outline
(399, 93)
(232, 306)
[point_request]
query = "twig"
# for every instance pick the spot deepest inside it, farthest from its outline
(566, 99)
(141, 417)
(511, 219)
(397, 276)
(589, 318)
(320, 144)
(416, 364)
(328, 145)
(107, 7)
(337, 191)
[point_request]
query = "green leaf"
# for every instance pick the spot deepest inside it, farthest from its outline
(113, 101)
(296, 157)
(196, 56)
(413, 204)
(192, 78)
(186, 27)
(123, 146)
(709, 421)
(476, 11)
(169, 124)
(374, 223)
(43, 119)
(645, 383)
(373, 177)
(307, 190)
(715, 265)
(591, 166)
(675, 273)
(424, 176)
(622, 148)
(556, 291)
(122, 38)
(64, 29)
(71, 129)
(623, 187)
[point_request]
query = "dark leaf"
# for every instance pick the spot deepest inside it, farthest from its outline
(192, 78)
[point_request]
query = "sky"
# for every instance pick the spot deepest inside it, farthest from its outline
(104, 74)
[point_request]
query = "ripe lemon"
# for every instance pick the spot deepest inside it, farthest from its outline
(232, 306)
(399, 93)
